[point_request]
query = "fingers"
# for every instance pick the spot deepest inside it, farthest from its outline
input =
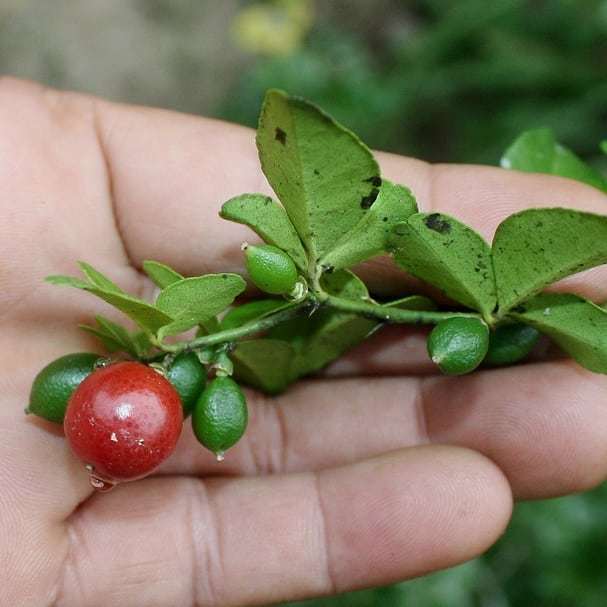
(544, 425)
(180, 541)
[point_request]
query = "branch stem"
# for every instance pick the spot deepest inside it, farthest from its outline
(393, 315)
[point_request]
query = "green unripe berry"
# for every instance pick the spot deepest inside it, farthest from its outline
(509, 343)
(270, 269)
(458, 345)
(220, 415)
(54, 385)
(188, 376)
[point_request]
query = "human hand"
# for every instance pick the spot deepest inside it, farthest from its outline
(344, 481)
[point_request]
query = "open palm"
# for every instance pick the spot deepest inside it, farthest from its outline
(375, 472)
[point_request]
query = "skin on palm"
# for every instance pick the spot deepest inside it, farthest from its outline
(82, 178)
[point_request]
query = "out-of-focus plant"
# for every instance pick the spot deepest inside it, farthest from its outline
(275, 28)
(448, 80)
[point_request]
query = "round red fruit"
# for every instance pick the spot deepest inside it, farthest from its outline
(122, 422)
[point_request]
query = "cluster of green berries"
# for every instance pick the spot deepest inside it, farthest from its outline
(123, 419)
(459, 345)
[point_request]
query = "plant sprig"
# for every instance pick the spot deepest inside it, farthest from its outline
(336, 211)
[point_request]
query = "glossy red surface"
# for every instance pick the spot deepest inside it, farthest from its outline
(123, 420)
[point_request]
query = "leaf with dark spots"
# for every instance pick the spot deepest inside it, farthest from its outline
(280, 136)
(537, 247)
(436, 222)
(367, 201)
(575, 324)
(375, 181)
(371, 235)
(326, 203)
(447, 254)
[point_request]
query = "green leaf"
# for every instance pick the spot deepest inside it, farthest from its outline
(191, 301)
(371, 235)
(268, 219)
(249, 311)
(109, 343)
(449, 255)
(67, 281)
(537, 151)
(537, 247)
(98, 280)
(327, 334)
(160, 274)
(263, 364)
(324, 176)
(575, 324)
(603, 146)
(116, 338)
(145, 315)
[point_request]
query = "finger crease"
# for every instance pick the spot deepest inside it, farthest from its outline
(330, 581)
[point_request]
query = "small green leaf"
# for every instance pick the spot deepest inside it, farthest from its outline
(252, 310)
(575, 324)
(195, 300)
(449, 255)
(145, 315)
(109, 343)
(537, 151)
(98, 279)
(160, 274)
(603, 146)
(324, 176)
(371, 235)
(268, 219)
(537, 247)
(263, 364)
(67, 281)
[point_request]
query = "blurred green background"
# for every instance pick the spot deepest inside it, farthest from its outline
(439, 79)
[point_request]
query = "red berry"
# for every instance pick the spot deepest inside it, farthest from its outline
(122, 422)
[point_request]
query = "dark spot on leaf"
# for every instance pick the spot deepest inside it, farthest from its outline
(519, 309)
(539, 224)
(384, 218)
(367, 201)
(280, 135)
(316, 172)
(436, 223)
(375, 181)
(224, 276)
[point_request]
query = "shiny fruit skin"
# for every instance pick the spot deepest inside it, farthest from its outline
(188, 377)
(220, 416)
(270, 269)
(123, 420)
(458, 345)
(54, 384)
(510, 343)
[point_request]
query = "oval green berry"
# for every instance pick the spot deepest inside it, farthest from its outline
(458, 345)
(510, 343)
(54, 385)
(188, 376)
(270, 269)
(220, 415)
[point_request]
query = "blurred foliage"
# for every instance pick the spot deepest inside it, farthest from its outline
(452, 80)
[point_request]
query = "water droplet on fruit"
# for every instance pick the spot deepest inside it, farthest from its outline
(141, 441)
(220, 455)
(100, 484)
(113, 437)
(102, 362)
